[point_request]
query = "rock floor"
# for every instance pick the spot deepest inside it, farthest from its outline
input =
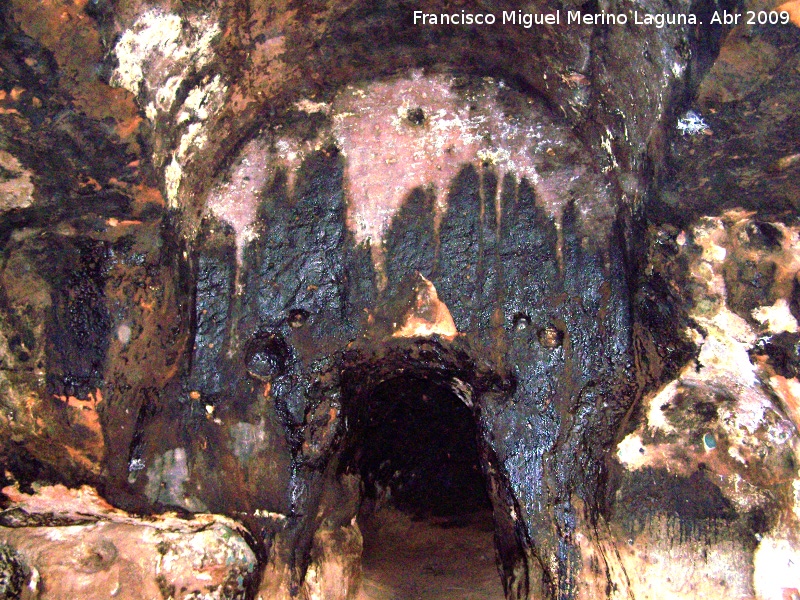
(444, 558)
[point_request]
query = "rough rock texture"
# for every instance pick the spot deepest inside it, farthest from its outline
(711, 468)
(746, 158)
(72, 544)
(230, 230)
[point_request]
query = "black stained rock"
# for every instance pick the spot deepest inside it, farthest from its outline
(464, 274)
(299, 271)
(782, 351)
(79, 332)
(697, 503)
(216, 271)
(410, 241)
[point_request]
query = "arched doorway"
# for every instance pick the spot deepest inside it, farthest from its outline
(435, 517)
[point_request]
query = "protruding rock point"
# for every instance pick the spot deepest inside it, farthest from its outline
(427, 314)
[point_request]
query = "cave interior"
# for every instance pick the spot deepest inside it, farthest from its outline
(308, 300)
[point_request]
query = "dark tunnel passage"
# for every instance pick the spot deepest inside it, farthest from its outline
(418, 450)
(425, 514)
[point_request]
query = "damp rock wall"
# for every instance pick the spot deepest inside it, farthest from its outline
(709, 466)
(225, 225)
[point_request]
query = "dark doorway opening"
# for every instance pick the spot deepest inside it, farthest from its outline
(418, 450)
(425, 515)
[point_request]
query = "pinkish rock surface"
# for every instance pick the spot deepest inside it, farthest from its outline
(76, 545)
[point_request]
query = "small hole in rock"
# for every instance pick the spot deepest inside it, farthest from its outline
(764, 235)
(266, 356)
(416, 116)
(18, 347)
(96, 557)
(521, 322)
(550, 336)
(298, 318)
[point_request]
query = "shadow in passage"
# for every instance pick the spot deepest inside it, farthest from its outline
(425, 517)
